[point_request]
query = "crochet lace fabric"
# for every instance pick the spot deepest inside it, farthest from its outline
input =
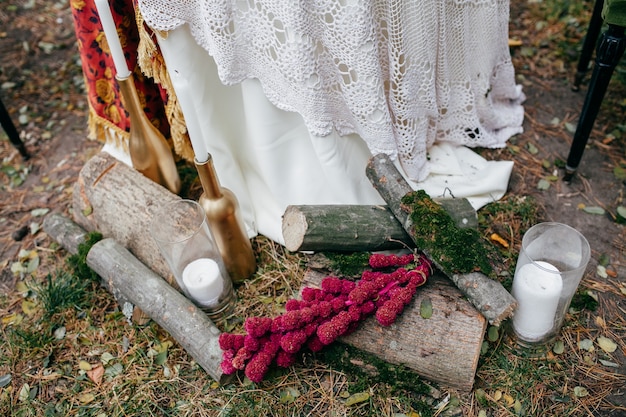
(401, 74)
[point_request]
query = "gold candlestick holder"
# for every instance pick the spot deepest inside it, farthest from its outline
(149, 151)
(226, 224)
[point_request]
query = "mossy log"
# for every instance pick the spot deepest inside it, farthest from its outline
(353, 228)
(134, 284)
(443, 348)
(342, 228)
(486, 294)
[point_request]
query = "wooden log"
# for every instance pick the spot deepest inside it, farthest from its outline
(131, 282)
(124, 274)
(64, 231)
(70, 236)
(444, 348)
(116, 200)
(353, 228)
(487, 295)
(342, 228)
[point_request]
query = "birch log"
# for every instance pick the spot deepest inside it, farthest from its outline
(130, 281)
(486, 294)
(123, 273)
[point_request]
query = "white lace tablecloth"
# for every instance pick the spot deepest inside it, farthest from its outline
(401, 74)
(294, 97)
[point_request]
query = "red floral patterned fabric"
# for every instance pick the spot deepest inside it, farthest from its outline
(99, 71)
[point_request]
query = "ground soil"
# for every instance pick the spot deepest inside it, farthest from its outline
(41, 84)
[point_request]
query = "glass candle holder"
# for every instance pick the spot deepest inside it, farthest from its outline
(551, 263)
(182, 234)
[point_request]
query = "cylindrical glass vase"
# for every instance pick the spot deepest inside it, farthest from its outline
(551, 263)
(182, 234)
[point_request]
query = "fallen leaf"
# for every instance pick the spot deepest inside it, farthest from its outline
(508, 399)
(29, 307)
(106, 357)
(606, 344)
(493, 333)
(532, 148)
(84, 365)
(12, 319)
(24, 394)
(499, 239)
(39, 212)
(5, 380)
(161, 358)
(114, 370)
(426, 308)
(580, 391)
(585, 344)
(22, 288)
(34, 228)
(609, 363)
(59, 333)
(359, 397)
(86, 398)
(601, 271)
(289, 395)
(559, 347)
(96, 374)
(543, 184)
(620, 217)
(594, 210)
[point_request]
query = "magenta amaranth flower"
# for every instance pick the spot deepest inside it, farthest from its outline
(258, 326)
(292, 342)
(284, 359)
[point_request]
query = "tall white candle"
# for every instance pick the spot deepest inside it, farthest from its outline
(204, 281)
(110, 32)
(185, 98)
(537, 289)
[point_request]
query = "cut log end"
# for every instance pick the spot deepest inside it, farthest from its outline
(294, 228)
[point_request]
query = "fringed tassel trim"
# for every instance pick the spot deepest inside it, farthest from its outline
(101, 129)
(152, 65)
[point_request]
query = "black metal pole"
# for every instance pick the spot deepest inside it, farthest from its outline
(608, 55)
(12, 133)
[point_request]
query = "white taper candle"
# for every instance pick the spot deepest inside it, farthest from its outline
(110, 31)
(185, 98)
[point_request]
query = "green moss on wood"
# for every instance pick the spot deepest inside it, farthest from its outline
(455, 250)
(348, 264)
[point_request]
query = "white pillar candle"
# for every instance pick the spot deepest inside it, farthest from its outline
(537, 289)
(110, 32)
(203, 281)
(185, 98)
